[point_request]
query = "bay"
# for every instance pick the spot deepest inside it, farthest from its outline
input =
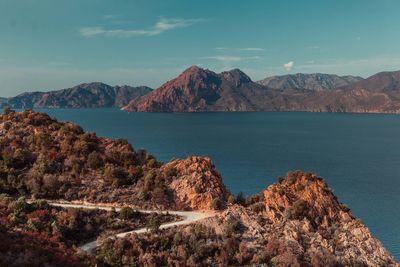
(357, 154)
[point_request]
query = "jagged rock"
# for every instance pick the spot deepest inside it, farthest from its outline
(196, 183)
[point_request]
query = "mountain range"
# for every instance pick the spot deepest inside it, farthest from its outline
(201, 90)
(86, 95)
(197, 90)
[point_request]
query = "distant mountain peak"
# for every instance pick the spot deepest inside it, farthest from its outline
(92, 84)
(237, 76)
(194, 70)
(308, 81)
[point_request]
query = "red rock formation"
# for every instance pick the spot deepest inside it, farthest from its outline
(196, 184)
(303, 224)
(306, 216)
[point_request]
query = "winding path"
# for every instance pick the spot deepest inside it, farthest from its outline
(189, 217)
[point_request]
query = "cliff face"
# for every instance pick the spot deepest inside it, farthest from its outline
(87, 95)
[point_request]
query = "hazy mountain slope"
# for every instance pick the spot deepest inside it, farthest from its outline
(87, 95)
(314, 81)
(3, 100)
(379, 93)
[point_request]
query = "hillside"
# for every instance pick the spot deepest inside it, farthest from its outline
(87, 95)
(314, 81)
(44, 158)
(379, 93)
(295, 222)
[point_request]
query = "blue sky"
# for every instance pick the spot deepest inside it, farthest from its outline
(47, 44)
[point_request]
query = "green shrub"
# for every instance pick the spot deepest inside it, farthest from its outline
(153, 225)
(217, 204)
(127, 213)
(94, 160)
(7, 111)
(298, 210)
(240, 199)
(5, 199)
(232, 226)
(231, 199)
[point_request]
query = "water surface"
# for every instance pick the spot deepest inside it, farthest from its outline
(357, 154)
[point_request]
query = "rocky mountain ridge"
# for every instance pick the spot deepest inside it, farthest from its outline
(200, 90)
(313, 81)
(86, 95)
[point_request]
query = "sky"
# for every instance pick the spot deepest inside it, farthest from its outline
(47, 44)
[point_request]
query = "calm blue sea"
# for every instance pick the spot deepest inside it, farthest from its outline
(357, 154)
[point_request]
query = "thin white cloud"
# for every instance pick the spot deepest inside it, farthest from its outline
(226, 59)
(251, 49)
(162, 25)
(58, 63)
(230, 59)
(254, 49)
(288, 66)
(314, 47)
(110, 16)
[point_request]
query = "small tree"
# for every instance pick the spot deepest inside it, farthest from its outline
(240, 199)
(232, 226)
(50, 185)
(298, 210)
(126, 213)
(94, 160)
(7, 110)
(153, 225)
(231, 199)
(216, 204)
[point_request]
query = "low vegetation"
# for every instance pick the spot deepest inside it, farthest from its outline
(196, 245)
(43, 158)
